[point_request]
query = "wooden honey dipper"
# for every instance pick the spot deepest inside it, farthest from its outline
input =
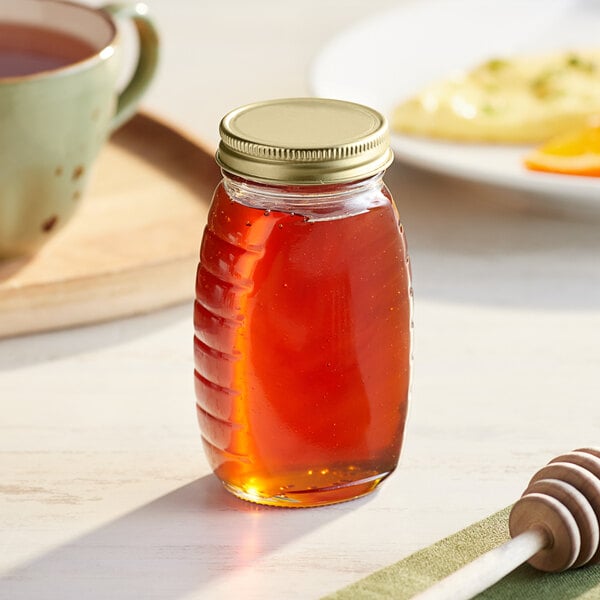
(554, 526)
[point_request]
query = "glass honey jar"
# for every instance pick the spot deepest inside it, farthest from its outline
(303, 306)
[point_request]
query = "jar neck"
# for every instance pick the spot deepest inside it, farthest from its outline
(317, 202)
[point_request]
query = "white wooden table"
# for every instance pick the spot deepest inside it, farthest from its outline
(104, 490)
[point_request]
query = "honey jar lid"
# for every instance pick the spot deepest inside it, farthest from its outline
(304, 141)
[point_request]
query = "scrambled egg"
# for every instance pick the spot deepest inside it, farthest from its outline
(519, 100)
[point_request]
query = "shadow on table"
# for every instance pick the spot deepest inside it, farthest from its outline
(476, 244)
(55, 345)
(167, 548)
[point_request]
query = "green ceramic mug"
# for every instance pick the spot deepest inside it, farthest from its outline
(59, 68)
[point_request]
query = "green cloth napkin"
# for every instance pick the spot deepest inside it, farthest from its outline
(419, 571)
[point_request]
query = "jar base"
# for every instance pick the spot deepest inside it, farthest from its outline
(310, 497)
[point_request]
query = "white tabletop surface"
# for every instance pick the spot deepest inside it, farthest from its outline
(104, 489)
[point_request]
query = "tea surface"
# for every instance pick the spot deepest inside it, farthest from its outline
(26, 50)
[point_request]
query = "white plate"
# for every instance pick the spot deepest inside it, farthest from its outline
(388, 58)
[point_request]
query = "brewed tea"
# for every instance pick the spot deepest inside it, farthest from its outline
(26, 50)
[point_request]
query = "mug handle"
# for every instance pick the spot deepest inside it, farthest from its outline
(147, 62)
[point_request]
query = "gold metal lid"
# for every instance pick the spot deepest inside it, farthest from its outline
(304, 141)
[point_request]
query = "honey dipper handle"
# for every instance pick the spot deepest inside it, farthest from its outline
(487, 569)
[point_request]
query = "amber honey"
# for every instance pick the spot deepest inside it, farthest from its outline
(303, 306)
(302, 350)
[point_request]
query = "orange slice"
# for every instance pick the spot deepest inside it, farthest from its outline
(576, 153)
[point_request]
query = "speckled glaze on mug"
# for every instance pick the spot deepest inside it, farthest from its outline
(53, 123)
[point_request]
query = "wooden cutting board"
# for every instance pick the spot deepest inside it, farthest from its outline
(133, 245)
